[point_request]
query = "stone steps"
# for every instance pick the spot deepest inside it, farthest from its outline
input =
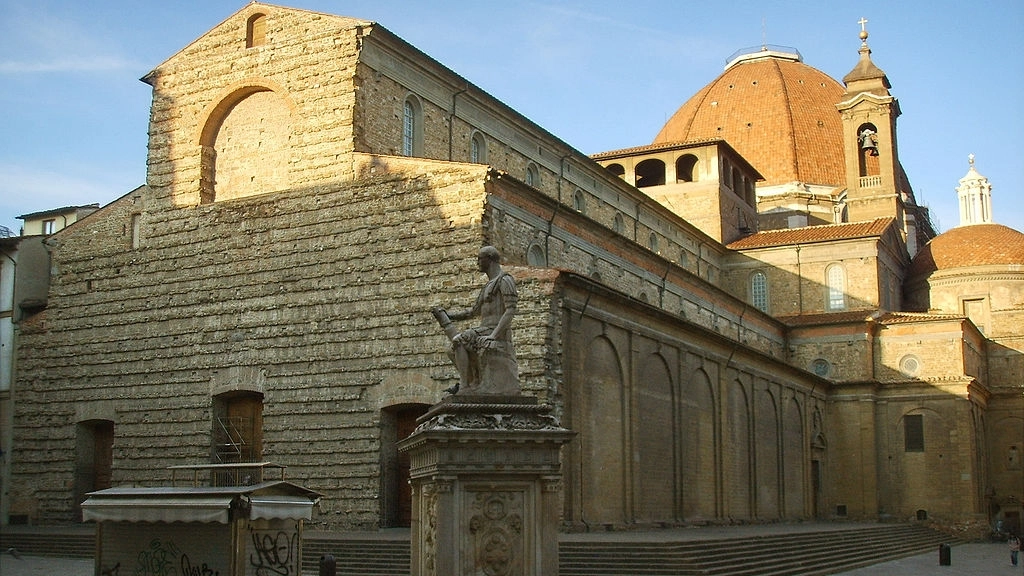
(357, 556)
(55, 542)
(809, 553)
(806, 554)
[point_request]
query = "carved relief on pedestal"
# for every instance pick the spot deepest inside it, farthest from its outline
(431, 496)
(496, 533)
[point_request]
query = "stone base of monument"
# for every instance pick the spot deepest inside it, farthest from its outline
(486, 487)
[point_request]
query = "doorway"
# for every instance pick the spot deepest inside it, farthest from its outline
(94, 459)
(397, 423)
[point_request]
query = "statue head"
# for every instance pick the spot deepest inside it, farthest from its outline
(488, 256)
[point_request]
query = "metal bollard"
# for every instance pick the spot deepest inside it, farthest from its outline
(944, 555)
(328, 567)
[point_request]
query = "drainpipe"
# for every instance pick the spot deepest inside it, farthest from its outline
(558, 206)
(799, 283)
(451, 122)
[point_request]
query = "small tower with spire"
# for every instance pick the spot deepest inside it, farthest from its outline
(869, 133)
(975, 196)
(876, 186)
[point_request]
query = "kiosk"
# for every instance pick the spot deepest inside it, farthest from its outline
(223, 530)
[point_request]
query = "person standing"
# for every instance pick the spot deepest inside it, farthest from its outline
(1014, 548)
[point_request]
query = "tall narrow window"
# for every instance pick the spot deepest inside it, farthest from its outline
(579, 202)
(412, 127)
(477, 149)
(136, 230)
(913, 433)
(256, 30)
(759, 291)
(532, 175)
(835, 278)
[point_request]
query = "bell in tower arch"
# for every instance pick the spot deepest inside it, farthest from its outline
(869, 141)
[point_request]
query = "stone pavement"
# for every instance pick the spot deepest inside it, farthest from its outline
(988, 559)
(980, 559)
(44, 566)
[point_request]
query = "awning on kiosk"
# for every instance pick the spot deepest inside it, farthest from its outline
(158, 509)
(280, 507)
(268, 500)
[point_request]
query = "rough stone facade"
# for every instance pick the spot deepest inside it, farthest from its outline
(314, 191)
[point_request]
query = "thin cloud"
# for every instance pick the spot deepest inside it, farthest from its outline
(67, 65)
(34, 41)
(26, 189)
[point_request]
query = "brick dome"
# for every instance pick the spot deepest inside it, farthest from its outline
(776, 111)
(973, 245)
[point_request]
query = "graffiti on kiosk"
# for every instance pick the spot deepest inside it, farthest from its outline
(187, 569)
(164, 559)
(274, 554)
(157, 560)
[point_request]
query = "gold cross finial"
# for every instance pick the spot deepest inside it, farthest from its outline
(862, 22)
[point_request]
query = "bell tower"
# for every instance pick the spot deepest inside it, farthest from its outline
(874, 177)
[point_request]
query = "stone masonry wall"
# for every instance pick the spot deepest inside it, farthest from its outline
(308, 60)
(316, 300)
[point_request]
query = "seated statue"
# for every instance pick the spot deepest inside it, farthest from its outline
(484, 355)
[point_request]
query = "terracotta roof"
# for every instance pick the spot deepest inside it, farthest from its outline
(844, 317)
(780, 114)
(855, 316)
(811, 234)
(973, 245)
(653, 148)
(911, 317)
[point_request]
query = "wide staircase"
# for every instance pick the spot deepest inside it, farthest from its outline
(762, 551)
(812, 553)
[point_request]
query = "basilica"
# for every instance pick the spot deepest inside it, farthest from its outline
(748, 319)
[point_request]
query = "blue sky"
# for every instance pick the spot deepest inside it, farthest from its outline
(600, 75)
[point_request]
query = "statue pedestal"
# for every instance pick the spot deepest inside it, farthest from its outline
(486, 483)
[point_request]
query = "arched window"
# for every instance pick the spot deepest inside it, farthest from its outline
(579, 202)
(256, 30)
(685, 168)
(412, 127)
(835, 280)
(535, 256)
(477, 149)
(650, 172)
(652, 242)
(867, 153)
(616, 169)
(759, 291)
(617, 224)
(532, 175)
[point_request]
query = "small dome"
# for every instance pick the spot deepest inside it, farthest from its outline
(974, 245)
(777, 112)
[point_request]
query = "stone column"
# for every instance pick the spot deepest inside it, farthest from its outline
(486, 487)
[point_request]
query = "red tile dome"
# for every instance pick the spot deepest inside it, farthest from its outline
(973, 245)
(777, 112)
